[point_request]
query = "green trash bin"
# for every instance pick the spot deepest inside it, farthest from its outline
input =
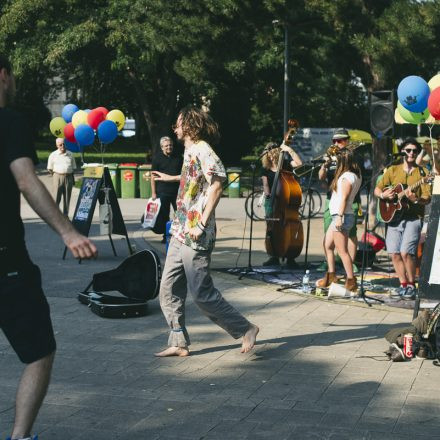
(113, 169)
(129, 177)
(145, 181)
(234, 182)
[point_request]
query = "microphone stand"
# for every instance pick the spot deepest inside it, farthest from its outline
(364, 241)
(249, 270)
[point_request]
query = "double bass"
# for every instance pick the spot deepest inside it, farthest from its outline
(284, 233)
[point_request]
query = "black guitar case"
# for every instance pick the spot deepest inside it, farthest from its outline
(137, 278)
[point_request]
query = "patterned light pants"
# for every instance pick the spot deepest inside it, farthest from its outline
(188, 270)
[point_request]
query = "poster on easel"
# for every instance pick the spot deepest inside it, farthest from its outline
(429, 280)
(96, 187)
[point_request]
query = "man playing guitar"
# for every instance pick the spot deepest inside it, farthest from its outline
(404, 229)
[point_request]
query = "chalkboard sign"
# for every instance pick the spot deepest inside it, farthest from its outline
(429, 281)
(95, 185)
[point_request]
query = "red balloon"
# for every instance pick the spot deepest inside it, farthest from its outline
(69, 132)
(95, 117)
(103, 109)
(434, 103)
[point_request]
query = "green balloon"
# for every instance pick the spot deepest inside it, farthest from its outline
(412, 117)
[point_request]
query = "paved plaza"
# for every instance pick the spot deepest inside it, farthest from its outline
(318, 370)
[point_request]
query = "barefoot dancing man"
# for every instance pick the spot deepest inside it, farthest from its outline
(193, 237)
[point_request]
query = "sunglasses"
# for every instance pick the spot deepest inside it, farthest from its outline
(411, 150)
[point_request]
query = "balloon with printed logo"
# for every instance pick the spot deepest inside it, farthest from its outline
(84, 135)
(56, 126)
(79, 117)
(68, 111)
(413, 93)
(103, 110)
(73, 147)
(95, 117)
(107, 132)
(434, 82)
(69, 132)
(434, 103)
(117, 117)
(412, 117)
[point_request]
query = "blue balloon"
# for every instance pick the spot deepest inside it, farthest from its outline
(107, 131)
(84, 135)
(71, 146)
(68, 111)
(413, 93)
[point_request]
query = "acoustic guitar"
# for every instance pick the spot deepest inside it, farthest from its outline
(390, 209)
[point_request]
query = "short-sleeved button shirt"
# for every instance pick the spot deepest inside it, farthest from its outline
(200, 164)
(396, 174)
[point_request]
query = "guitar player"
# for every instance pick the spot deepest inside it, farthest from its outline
(403, 231)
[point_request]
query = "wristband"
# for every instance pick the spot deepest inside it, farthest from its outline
(200, 227)
(204, 226)
(340, 215)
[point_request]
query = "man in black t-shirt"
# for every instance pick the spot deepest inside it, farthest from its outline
(24, 311)
(165, 164)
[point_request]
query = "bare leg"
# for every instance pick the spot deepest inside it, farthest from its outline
(329, 249)
(352, 247)
(30, 394)
(410, 266)
(399, 267)
(341, 243)
(249, 339)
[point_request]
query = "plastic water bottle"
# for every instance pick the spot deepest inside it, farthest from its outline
(306, 282)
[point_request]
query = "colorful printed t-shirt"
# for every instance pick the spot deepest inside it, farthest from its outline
(200, 163)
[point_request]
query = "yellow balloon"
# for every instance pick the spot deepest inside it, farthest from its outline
(434, 82)
(117, 117)
(398, 118)
(79, 117)
(56, 126)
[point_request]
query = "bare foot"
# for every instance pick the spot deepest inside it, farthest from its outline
(173, 351)
(249, 339)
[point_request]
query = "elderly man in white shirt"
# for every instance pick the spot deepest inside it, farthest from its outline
(61, 165)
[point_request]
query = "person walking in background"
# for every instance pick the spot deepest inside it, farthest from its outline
(61, 165)
(24, 311)
(344, 188)
(193, 236)
(269, 164)
(165, 176)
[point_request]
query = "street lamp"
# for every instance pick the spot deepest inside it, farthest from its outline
(286, 113)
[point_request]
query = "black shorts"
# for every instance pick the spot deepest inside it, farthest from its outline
(24, 315)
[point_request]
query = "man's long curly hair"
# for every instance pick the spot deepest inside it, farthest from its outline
(199, 125)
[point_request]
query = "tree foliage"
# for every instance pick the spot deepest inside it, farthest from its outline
(151, 57)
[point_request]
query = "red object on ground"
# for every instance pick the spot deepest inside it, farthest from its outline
(408, 345)
(374, 240)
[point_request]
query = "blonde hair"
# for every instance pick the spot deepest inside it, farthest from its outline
(272, 156)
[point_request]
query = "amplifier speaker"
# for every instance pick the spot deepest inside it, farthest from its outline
(370, 255)
(382, 112)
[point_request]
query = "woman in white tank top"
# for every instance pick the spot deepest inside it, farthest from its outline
(344, 188)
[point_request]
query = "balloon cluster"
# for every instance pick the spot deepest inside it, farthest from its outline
(78, 127)
(419, 101)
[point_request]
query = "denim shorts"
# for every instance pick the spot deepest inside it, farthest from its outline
(347, 222)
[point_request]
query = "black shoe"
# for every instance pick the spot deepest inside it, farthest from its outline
(292, 264)
(272, 261)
